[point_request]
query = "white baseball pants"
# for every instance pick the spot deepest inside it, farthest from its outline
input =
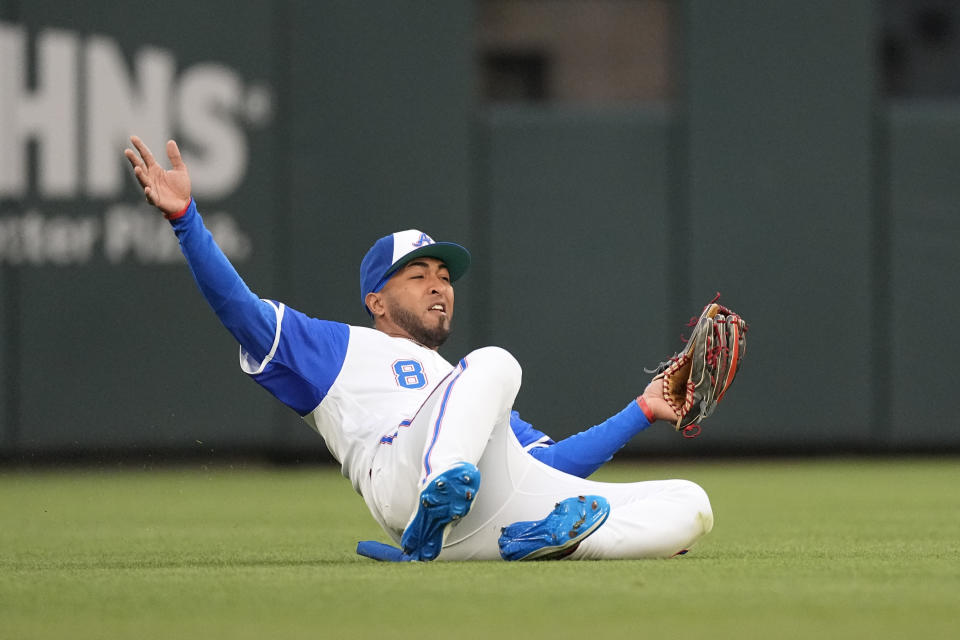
(467, 419)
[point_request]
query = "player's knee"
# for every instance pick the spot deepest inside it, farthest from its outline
(699, 503)
(500, 365)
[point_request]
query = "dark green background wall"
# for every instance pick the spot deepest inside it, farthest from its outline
(777, 176)
(779, 179)
(922, 196)
(576, 207)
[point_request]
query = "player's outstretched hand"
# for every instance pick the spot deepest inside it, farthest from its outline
(167, 190)
(653, 395)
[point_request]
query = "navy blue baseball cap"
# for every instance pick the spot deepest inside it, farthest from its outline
(389, 253)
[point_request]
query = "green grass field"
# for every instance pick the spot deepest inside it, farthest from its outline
(801, 549)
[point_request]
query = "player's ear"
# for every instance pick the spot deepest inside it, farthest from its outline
(375, 304)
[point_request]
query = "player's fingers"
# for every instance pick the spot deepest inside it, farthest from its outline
(133, 158)
(144, 151)
(173, 152)
(148, 192)
(141, 175)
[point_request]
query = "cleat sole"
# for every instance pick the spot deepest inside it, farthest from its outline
(447, 498)
(559, 534)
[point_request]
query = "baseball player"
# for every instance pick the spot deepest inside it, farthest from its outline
(443, 463)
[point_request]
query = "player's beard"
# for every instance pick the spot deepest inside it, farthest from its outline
(430, 337)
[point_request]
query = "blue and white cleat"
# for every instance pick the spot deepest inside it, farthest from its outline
(559, 534)
(446, 499)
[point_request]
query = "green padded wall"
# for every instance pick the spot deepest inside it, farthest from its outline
(575, 259)
(778, 181)
(347, 125)
(8, 388)
(119, 351)
(924, 162)
(7, 380)
(595, 232)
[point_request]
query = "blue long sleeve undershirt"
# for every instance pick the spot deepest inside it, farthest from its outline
(587, 451)
(252, 322)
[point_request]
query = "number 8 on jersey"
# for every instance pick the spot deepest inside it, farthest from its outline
(409, 374)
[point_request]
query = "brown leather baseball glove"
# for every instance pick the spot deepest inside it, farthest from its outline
(696, 379)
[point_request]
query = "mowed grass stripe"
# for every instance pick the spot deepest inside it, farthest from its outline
(860, 548)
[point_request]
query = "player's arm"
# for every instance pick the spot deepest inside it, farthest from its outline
(251, 320)
(587, 451)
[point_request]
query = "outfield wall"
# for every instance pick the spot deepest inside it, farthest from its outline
(777, 176)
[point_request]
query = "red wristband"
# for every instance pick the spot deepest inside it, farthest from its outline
(642, 403)
(179, 214)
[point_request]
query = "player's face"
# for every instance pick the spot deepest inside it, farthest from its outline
(418, 302)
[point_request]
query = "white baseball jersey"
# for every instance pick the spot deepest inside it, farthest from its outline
(355, 385)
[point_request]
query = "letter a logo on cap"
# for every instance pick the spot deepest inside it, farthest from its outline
(423, 240)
